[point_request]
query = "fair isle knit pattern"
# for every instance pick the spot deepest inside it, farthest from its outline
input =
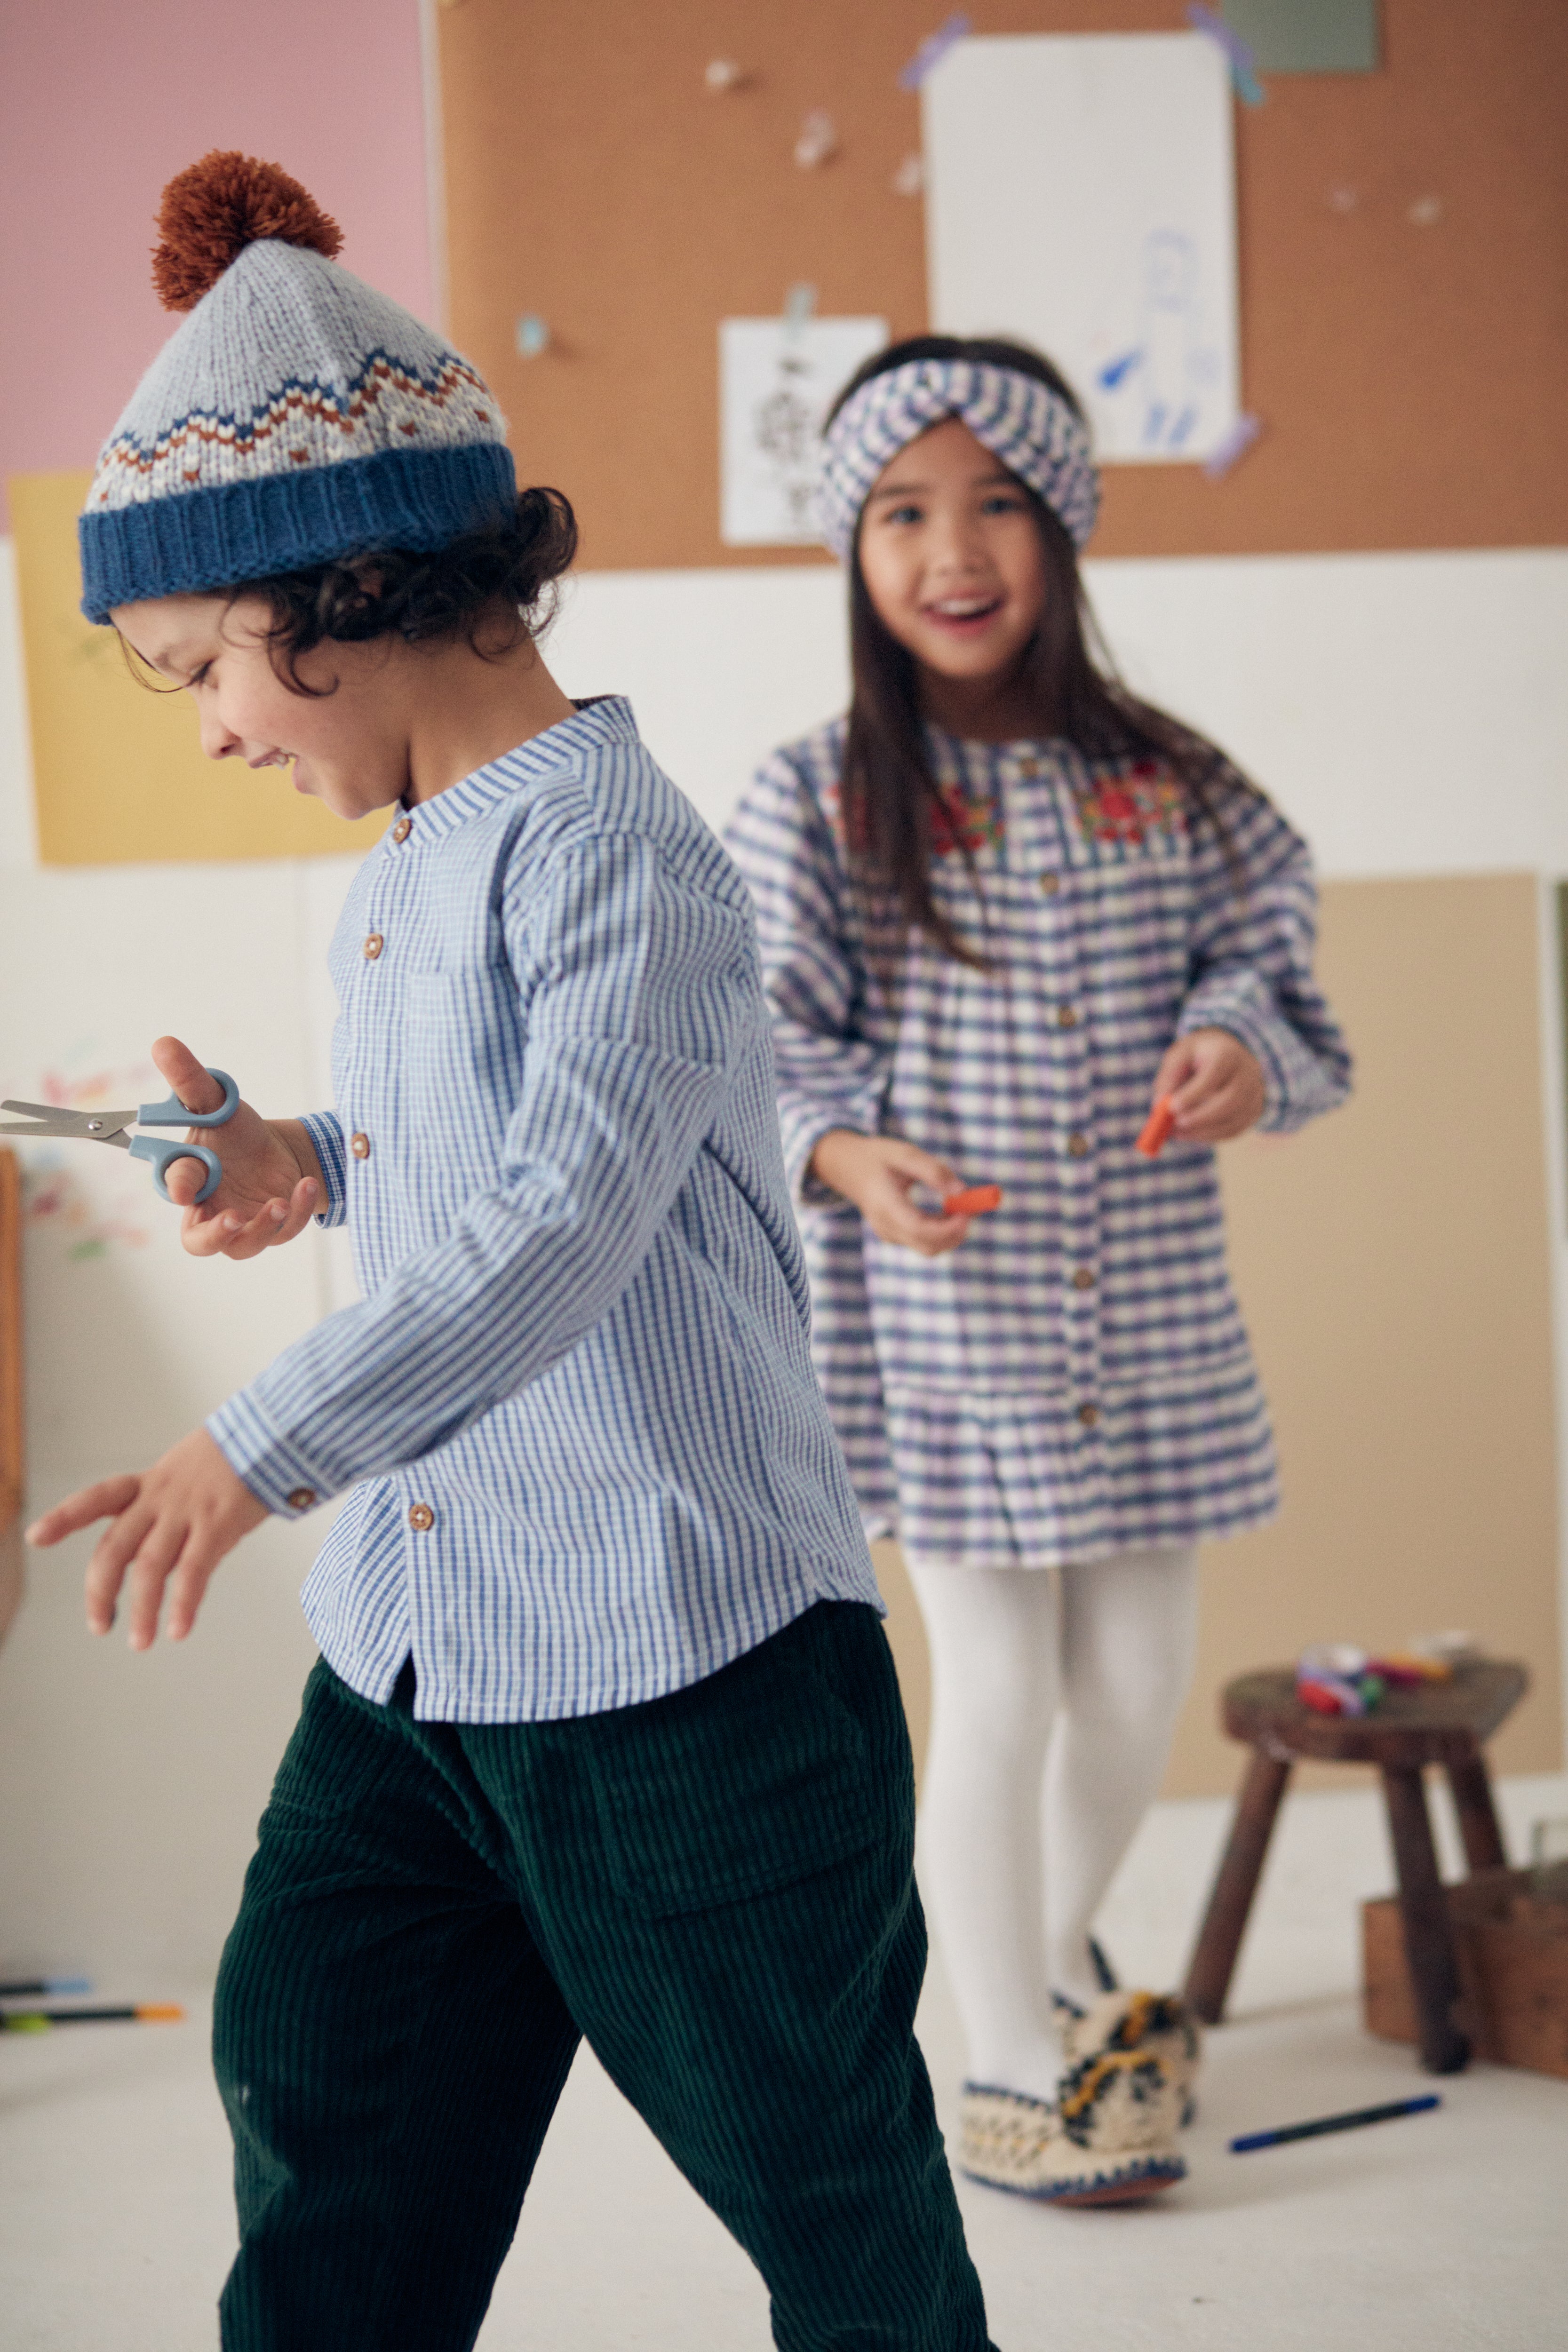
(1075, 1379)
(295, 416)
(1020, 420)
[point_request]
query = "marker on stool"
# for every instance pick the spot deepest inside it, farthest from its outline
(974, 1200)
(1157, 1132)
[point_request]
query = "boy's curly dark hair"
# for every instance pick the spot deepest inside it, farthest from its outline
(450, 592)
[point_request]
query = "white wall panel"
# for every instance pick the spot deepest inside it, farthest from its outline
(1409, 712)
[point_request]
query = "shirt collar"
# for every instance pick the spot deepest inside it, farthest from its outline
(593, 727)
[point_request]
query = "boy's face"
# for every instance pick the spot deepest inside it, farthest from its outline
(349, 745)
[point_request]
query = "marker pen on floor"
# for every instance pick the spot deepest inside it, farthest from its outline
(42, 2020)
(1353, 2121)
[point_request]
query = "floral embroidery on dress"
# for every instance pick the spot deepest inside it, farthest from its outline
(1143, 799)
(959, 823)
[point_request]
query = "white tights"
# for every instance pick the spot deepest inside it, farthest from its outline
(1053, 1696)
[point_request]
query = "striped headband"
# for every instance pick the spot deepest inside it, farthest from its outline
(1020, 420)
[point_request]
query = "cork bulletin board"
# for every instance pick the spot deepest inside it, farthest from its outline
(1403, 243)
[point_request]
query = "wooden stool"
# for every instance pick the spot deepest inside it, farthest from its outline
(1441, 1723)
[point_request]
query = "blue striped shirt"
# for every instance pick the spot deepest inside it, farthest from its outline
(1074, 1379)
(590, 1458)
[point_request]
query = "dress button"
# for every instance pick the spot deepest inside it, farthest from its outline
(301, 1498)
(1066, 1017)
(1083, 1278)
(1078, 1147)
(1050, 884)
(421, 1517)
(360, 1146)
(373, 946)
(1089, 1414)
(402, 829)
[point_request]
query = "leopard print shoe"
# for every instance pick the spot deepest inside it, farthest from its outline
(1109, 2137)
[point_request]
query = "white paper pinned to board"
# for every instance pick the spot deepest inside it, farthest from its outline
(1082, 196)
(777, 379)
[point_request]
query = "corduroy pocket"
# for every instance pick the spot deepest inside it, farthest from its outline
(757, 1776)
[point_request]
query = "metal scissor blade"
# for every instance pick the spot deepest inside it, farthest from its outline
(45, 1120)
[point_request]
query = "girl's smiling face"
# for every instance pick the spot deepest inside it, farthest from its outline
(951, 555)
(348, 746)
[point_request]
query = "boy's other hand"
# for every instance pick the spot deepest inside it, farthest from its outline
(1215, 1085)
(169, 1527)
(271, 1183)
(878, 1173)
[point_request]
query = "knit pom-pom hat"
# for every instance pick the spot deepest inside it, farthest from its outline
(295, 418)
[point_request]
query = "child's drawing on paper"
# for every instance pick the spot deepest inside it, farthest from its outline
(88, 1211)
(1081, 196)
(1172, 366)
(777, 378)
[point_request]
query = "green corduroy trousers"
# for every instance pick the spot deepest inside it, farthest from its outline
(715, 1888)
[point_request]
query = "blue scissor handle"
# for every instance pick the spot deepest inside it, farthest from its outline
(173, 1113)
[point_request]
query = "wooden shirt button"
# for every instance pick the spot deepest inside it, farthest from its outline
(402, 829)
(1066, 1017)
(421, 1517)
(360, 1146)
(1083, 1278)
(1078, 1147)
(1050, 884)
(372, 947)
(1089, 1414)
(301, 1498)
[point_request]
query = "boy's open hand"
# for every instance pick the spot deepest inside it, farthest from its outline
(169, 1527)
(271, 1179)
(879, 1172)
(1215, 1085)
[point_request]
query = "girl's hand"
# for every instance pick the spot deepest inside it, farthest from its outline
(879, 1172)
(1215, 1085)
(170, 1527)
(271, 1179)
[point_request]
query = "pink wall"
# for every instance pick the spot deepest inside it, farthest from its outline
(101, 102)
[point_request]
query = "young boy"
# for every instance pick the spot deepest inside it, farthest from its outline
(605, 1738)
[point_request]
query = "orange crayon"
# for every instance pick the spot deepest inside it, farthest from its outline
(973, 1202)
(1157, 1133)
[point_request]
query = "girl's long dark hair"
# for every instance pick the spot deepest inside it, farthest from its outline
(892, 799)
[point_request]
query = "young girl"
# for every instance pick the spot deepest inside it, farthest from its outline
(605, 1739)
(1005, 909)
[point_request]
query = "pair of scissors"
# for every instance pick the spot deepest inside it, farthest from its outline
(43, 1120)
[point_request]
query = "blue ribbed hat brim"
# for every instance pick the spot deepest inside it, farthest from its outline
(223, 537)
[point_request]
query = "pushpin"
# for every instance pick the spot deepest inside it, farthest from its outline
(974, 1200)
(533, 335)
(799, 304)
(817, 141)
(911, 177)
(721, 74)
(1157, 1132)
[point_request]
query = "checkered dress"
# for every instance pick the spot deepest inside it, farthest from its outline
(1074, 1379)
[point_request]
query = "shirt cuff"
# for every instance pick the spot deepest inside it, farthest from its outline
(277, 1473)
(325, 1131)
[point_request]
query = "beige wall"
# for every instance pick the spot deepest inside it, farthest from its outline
(1394, 1266)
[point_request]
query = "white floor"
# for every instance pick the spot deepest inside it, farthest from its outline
(1441, 2230)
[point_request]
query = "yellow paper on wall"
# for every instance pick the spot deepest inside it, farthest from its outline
(119, 776)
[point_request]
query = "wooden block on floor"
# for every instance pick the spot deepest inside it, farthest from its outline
(1510, 1937)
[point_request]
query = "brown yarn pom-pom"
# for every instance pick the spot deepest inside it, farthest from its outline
(213, 211)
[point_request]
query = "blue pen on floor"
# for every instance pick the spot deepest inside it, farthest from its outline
(36, 1988)
(1351, 2122)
